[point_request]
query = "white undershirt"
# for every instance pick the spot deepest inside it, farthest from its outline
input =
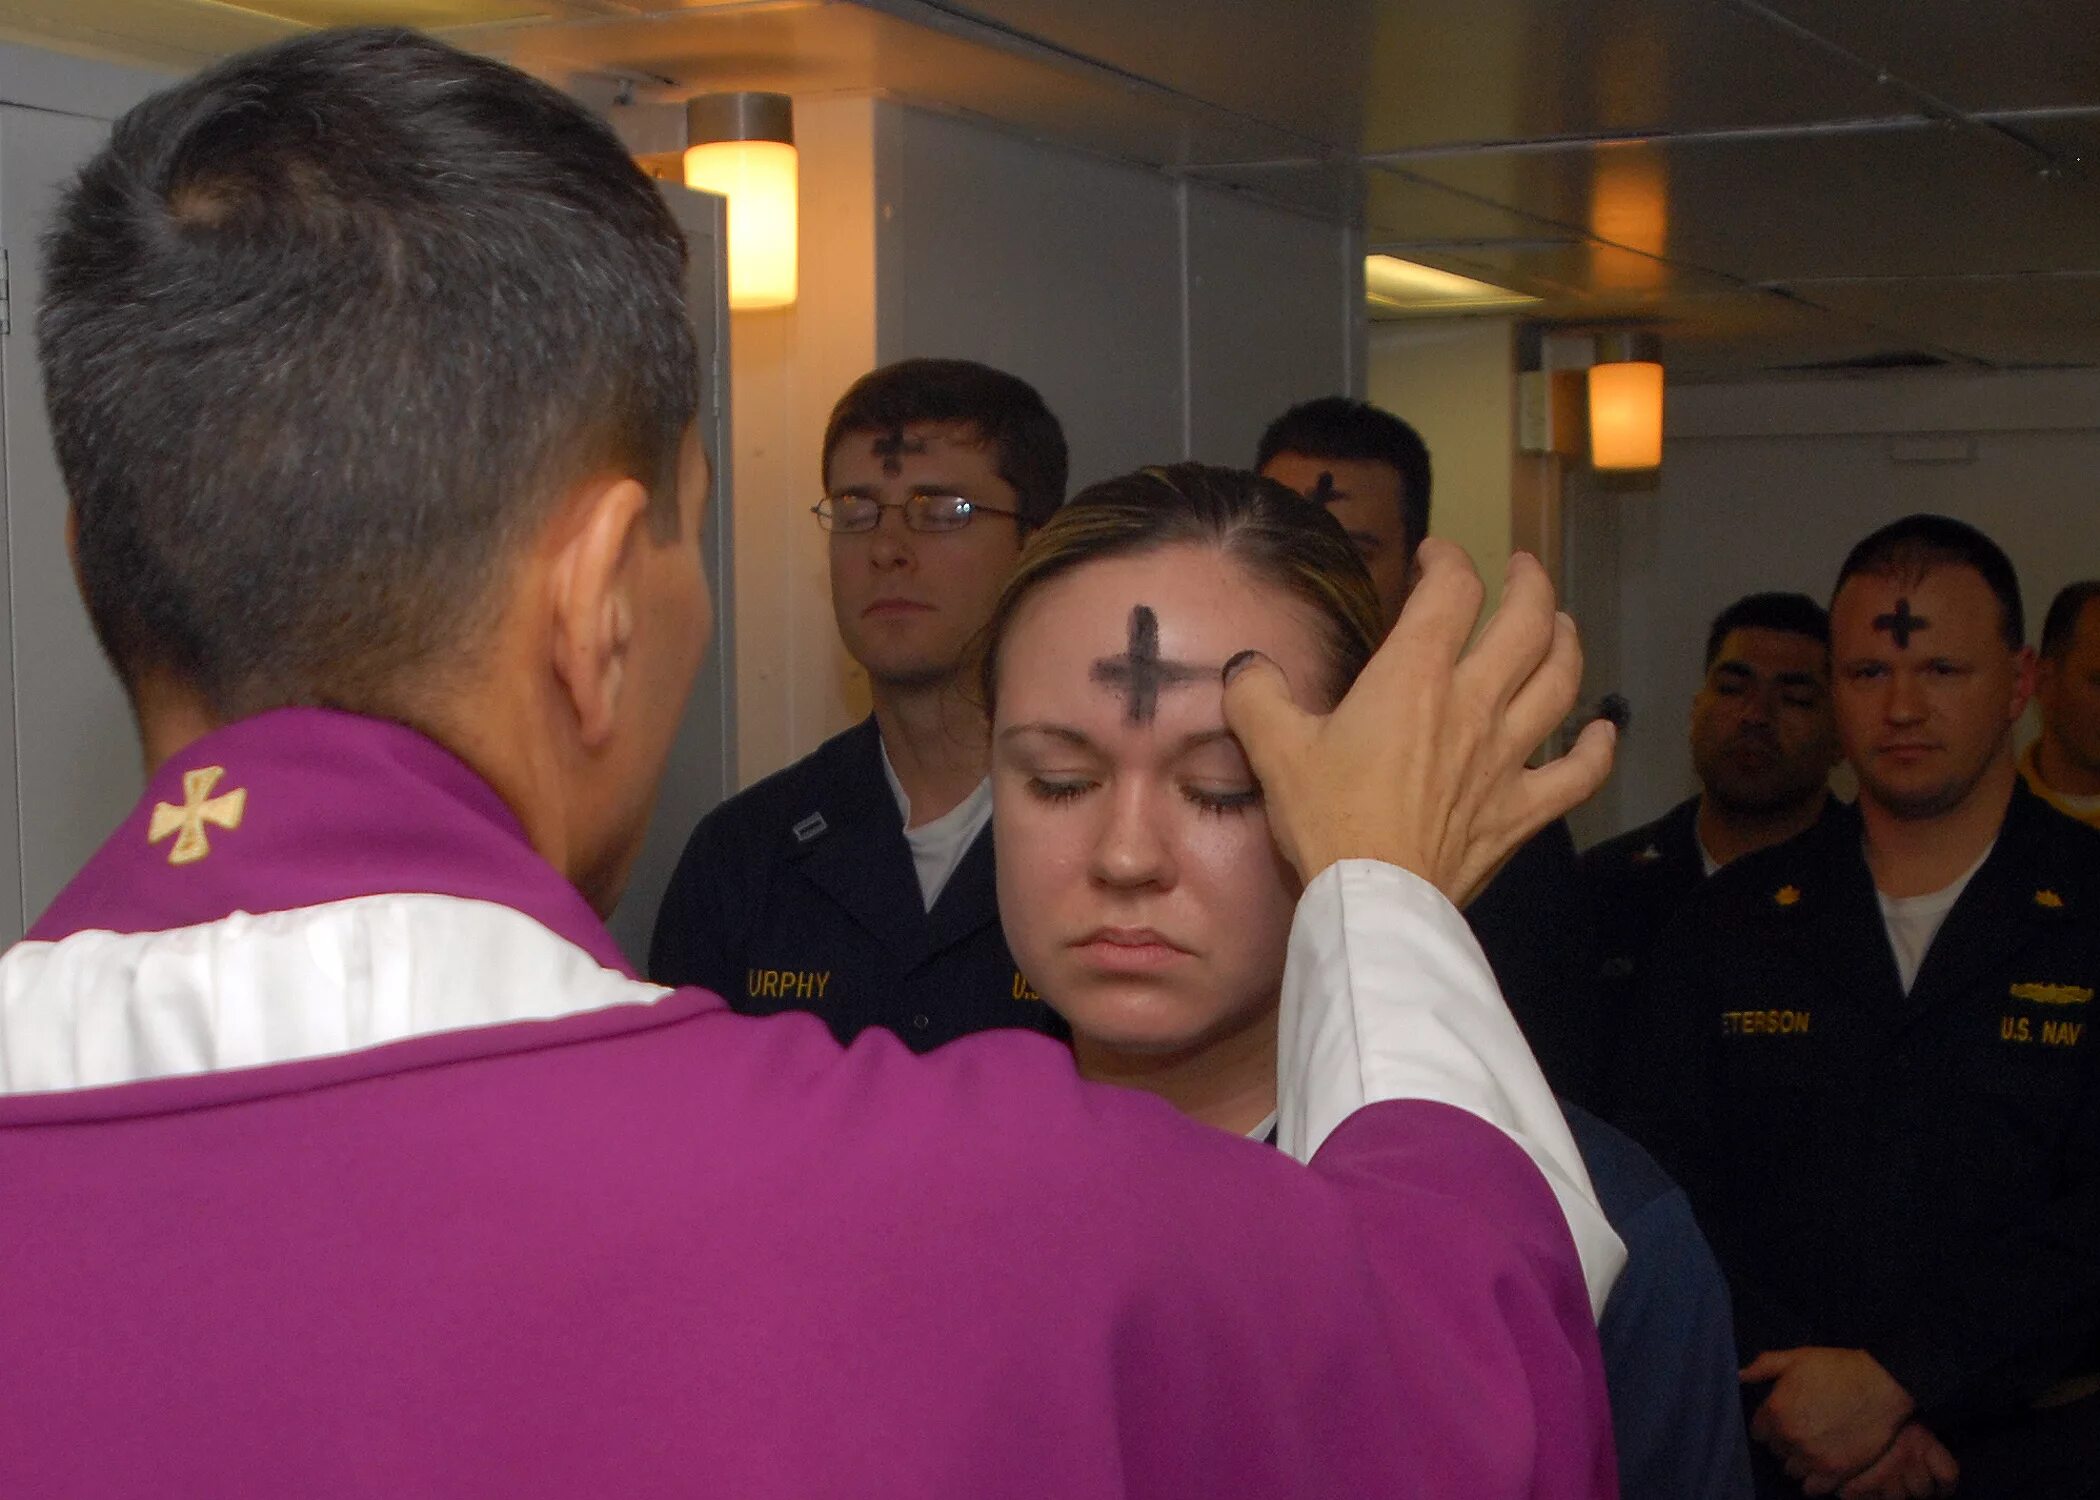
(939, 846)
(1706, 860)
(1914, 921)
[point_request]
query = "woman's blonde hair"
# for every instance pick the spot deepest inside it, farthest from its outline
(1276, 535)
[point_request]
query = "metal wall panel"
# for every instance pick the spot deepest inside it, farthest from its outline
(1271, 299)
(77, 766)
(1062, 268)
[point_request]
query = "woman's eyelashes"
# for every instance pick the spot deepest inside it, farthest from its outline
(1218, 801)
(1059, 788)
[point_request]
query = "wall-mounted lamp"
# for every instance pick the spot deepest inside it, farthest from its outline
(743, 147)
(1626, 402)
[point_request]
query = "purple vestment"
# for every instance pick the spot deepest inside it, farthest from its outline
(655, 1248)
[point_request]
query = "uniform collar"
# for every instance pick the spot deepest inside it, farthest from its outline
(850, 843)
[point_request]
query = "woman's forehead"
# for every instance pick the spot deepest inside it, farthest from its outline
(1185, 600)
(1142, 631)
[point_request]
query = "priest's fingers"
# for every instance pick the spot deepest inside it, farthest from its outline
(1278, 739)
(1541, 702)
(1517, 636)
(1530, 800)
(1944, 1467)
(1437, 619)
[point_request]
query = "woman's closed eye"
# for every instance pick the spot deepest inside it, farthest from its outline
(1047, 786)
(1219, 800)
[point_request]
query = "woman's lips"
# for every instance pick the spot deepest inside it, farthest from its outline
(1128, 950)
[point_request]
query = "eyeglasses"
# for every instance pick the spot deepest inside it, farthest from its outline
(921, 512)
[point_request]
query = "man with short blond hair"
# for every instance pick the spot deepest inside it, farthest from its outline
(1865, 1052)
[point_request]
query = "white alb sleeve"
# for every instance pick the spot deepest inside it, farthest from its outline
(1386, 995)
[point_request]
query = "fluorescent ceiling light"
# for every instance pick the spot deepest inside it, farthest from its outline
(424, 13)
(1393, 285)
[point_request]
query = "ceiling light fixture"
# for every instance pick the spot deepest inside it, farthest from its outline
(743, 147)
(1402, 288)
(1626, 402)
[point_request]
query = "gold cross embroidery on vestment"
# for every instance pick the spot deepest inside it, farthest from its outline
(199, 807)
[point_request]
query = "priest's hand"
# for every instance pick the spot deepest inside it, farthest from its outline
(1422, 765)
(1917, 1466)
(1830, 1414)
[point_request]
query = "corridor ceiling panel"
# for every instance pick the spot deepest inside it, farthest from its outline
(1924, 202)
(1373, 77)
(2004, 54)
(1775, 185)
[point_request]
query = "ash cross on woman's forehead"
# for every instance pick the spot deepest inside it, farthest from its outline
(1140, 673)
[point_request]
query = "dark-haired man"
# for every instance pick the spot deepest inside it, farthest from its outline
(2062, 765)
(1669, 1356)
(867, 893)
(1866, 1053)
(1763, 743)
(344, 1154)
(1371, 470)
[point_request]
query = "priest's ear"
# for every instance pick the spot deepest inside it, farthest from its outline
(593, 577)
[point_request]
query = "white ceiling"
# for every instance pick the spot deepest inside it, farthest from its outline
(1774, 184)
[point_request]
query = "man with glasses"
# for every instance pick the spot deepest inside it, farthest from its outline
(867, 896)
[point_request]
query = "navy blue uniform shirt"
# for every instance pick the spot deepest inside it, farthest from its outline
(1668, 1342)
(1636, 882)
(799, 893)
(1916, 1175)
(1533, 923)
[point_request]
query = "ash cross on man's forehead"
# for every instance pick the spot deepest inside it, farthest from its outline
(894, 443)
(1901, 624)
(1322, 491)
(1140, 673)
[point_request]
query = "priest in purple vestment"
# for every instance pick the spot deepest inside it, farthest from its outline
(341, 1152)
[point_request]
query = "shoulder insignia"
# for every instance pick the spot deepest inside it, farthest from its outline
(199, 807)
(2049, 899)
(809, 828)
(1786, 895)
(2052, 994)
(1647, 856)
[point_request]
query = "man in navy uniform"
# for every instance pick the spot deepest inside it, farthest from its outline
(1763, 742)
(1866, 1054)
(1669, 1353)
(1371, 471)
(868, 896)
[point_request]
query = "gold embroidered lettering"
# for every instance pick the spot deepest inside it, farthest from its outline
(2061, 1033)
(1766, 1022)
(823, 982)
(2014, 1029)
(1023, 990)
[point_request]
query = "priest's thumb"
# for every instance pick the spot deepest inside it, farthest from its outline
(1277, 737)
